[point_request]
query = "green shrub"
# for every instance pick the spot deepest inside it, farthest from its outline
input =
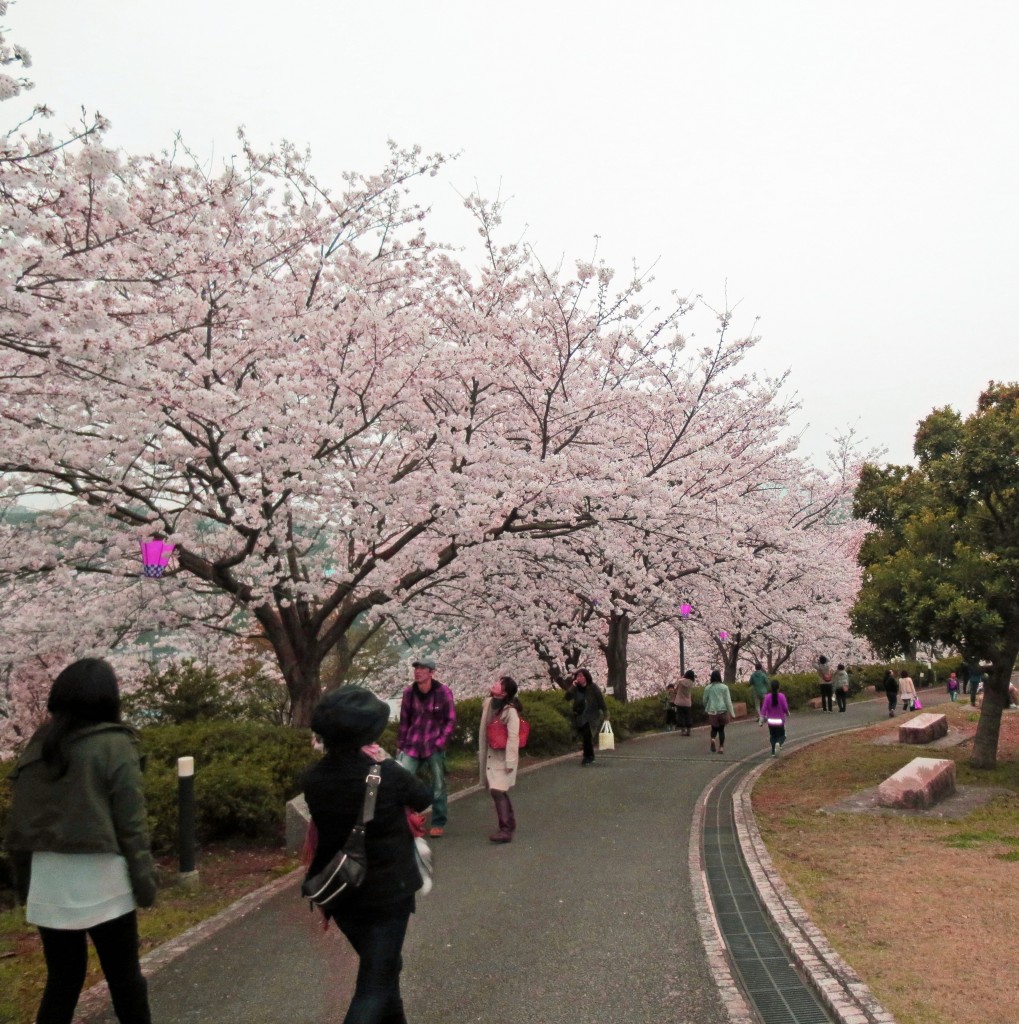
(244, 774)
(646, 714)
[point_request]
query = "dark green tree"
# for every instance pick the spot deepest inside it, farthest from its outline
(942, 565)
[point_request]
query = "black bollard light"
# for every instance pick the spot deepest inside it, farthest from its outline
(188, 873)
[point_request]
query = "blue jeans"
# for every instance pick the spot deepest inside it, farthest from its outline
(437, 770)
(379, 947)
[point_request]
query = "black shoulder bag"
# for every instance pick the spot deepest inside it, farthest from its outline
(330, 887)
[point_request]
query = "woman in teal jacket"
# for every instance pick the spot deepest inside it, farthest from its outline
(718, 708)
(77, 833)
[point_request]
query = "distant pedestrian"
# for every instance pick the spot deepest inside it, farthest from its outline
(718, 708)
(907, 691)
(78, 834)
(963, 676)
(427, 720)
(953, 685)
(841, 684)
(826, 676)
(588, 711)
(683, 701)
(670, 707)
(976, 678)
(776, 711)
(374, 918)
(499, 764)
(759, 689)
(891, 688)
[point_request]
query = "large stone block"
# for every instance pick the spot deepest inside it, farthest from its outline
(919, 784)
(923, 729)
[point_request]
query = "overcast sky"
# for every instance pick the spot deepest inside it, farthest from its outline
(846, 172)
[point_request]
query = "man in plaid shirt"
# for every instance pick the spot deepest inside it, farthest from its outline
(427, 720)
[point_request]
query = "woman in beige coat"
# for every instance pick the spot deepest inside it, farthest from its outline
(499, 764)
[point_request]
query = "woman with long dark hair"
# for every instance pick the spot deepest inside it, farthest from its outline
(374, 918)
(499, 764)
(77, 831)
(775, 711)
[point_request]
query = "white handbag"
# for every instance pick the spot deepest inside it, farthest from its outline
(606, 738)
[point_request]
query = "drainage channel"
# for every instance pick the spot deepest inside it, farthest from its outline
(770, 982)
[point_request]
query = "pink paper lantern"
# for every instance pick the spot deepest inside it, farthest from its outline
(723, 635)
(686, 610)
(155, 556)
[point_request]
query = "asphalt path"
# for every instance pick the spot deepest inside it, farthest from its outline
(585, 918)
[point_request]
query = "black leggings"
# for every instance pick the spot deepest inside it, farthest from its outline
(66, 953)
(840, 698)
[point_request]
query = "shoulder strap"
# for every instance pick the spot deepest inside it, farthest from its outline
(370, 793)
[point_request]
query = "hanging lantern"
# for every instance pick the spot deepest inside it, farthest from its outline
(723, 635)
(155, 556)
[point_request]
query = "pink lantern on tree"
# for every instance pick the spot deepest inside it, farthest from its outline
(155, 556)
(723, 635)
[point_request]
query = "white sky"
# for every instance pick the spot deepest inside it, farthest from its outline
(847, 171)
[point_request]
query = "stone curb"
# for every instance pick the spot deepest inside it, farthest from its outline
(838, 986)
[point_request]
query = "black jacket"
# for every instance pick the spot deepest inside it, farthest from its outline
(334, 789)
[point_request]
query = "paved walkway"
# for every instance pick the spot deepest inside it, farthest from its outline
(588, 917)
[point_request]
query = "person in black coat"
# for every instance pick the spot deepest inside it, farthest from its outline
(374, 917)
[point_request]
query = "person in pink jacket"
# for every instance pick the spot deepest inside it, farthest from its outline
(775, 710)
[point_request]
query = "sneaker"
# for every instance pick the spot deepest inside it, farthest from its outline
(721, 750)
(712, 746)
(774, 753)
(501, 837)
(436, 832)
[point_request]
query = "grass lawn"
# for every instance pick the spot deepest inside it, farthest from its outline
(925, 909)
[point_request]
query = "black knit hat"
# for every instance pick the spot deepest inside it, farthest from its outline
(349, 717)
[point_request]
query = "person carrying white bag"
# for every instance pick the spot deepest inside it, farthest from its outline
(588, 711)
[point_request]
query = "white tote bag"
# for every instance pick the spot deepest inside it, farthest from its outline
(606, 738)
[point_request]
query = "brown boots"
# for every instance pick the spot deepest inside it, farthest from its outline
(504, 812)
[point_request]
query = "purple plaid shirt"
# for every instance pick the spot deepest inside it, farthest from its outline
(426, 723)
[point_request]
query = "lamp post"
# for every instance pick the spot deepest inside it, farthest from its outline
(685, 611)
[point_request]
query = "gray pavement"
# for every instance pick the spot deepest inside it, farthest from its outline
(588, 916)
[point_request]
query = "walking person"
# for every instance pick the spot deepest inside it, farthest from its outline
(718, 708)
(976, 677)
(588, 711)
(826, 677)
(670, 707)
(78, 834)
(776, 710)
(841, 684)
(374, 917)
(907, 690)
(499, 764)
(427, 720)
(891, 688)
(683, 701)
(759, 688)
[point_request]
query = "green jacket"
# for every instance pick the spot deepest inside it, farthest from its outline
(718, 699)
(97, 807)
(759, 681)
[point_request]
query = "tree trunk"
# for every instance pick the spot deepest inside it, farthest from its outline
(615, 654)
(985, 745)
(305, 688)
